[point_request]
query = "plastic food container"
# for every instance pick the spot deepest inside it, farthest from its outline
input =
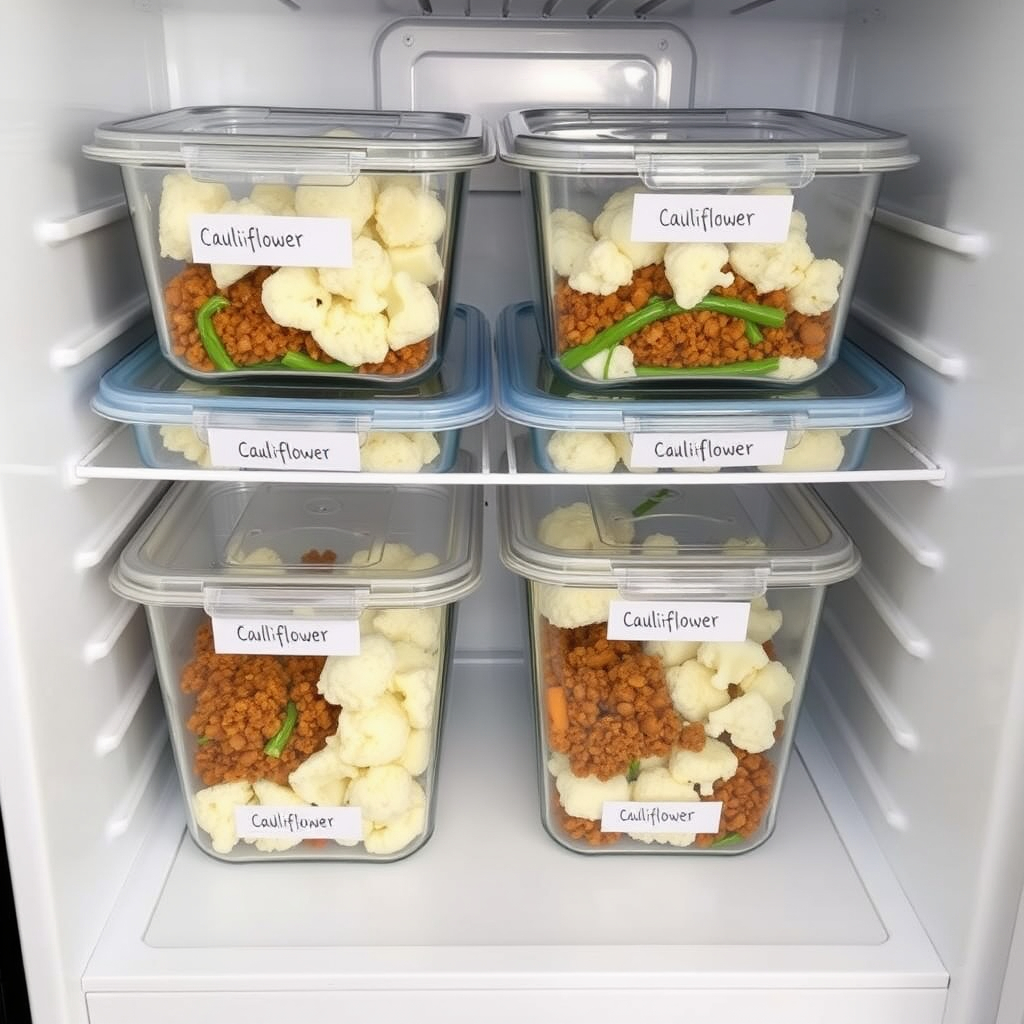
(302, 637)
(297, 242)
(671, 631)
(179, 423)
(822, 427)
(695, 245)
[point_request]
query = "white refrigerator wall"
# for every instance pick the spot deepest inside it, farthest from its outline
(918, 688)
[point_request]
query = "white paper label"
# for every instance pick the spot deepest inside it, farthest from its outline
(680, 451)
(235, 635)
(662, 816)
(267, 241)
(684, 217)
(678, 620)
(232, 448)
(263, 821)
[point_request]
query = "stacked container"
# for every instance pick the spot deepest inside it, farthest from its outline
(674, 246)
(670, 633)
(302, 638)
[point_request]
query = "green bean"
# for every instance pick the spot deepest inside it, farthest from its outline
(276, 744)
(767, 316)
(728, 840)
(753, 332)
(300, 361)
(751, 368)
(633, 772)
(208, 333)
(654, 500)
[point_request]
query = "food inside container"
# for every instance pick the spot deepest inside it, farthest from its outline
(671, 632)
(297, 242)
(297, 425)
(303, 639)
(824, 426)
(690, 245)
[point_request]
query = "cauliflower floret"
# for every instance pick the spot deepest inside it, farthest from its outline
(624, 446)
(764, 622)
(583, 797)
(614, 364)
(743, 546)
(771, 266)
(568, 607)
(421, 262)
(378, 735)
(672, 652)
(270, 794)
(570, 526)
(363, 283)
(601, 269)
(416, 690)
(351, 337)
(278, 200)
(774, 683)
(705, 767)
(294, 297)
(259, 556)
(654, 541)
(818, 290)
(413, 313)
(323, 778)
(558, 763)
(392, 555)
(180, 437)
(568, 245)
(616, 224)
(694, 268)
(356, 681)
(794, 368)
(180, 197)
(399, 833)
(693, 694)
(419, 626)
(383, 793)
(416, 757)
(391, 451)
(749, 721)
(226, 274)
(404, 217)
(574, 451)
(408, 657)
(421, 562)
(623, 198)
(354, 201)
(658, 785)
(214, 808)
(570, 220)
(818, 450)
(733, 660)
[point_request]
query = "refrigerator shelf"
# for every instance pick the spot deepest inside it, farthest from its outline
(463, 931)
(501, 450)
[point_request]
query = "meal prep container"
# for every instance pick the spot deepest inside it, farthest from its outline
(671, 631)
(302, 637)
(297, 242)
(674, 246)
(412, 429)
(823, 427)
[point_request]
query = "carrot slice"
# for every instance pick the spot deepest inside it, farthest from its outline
(558, 710)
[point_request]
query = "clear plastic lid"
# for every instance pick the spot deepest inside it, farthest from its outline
(649, 541)
(855, 392)
(709, 143)
(274, 548)
(144, 388)
(286, 139)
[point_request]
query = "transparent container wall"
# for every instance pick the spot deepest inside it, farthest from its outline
(614, 717)
(223, 709)
(386, 316)
(181, 446)
(806, 451)
(703, 346)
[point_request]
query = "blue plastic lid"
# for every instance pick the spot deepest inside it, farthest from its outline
(144, 388)
(855, 391)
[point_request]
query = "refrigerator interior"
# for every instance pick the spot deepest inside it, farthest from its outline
(892, 887)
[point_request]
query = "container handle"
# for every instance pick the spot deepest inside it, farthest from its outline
(336, 167)
(658, 584)
(336, 602)
(699, 172)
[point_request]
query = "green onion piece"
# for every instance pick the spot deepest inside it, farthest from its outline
(633, 772)
(655, 499)
(203, 740)
(300, 361)
(656, 309)
(276, 744)
(753, 368)
(753, 332)
(728, 840)
(208, 333)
